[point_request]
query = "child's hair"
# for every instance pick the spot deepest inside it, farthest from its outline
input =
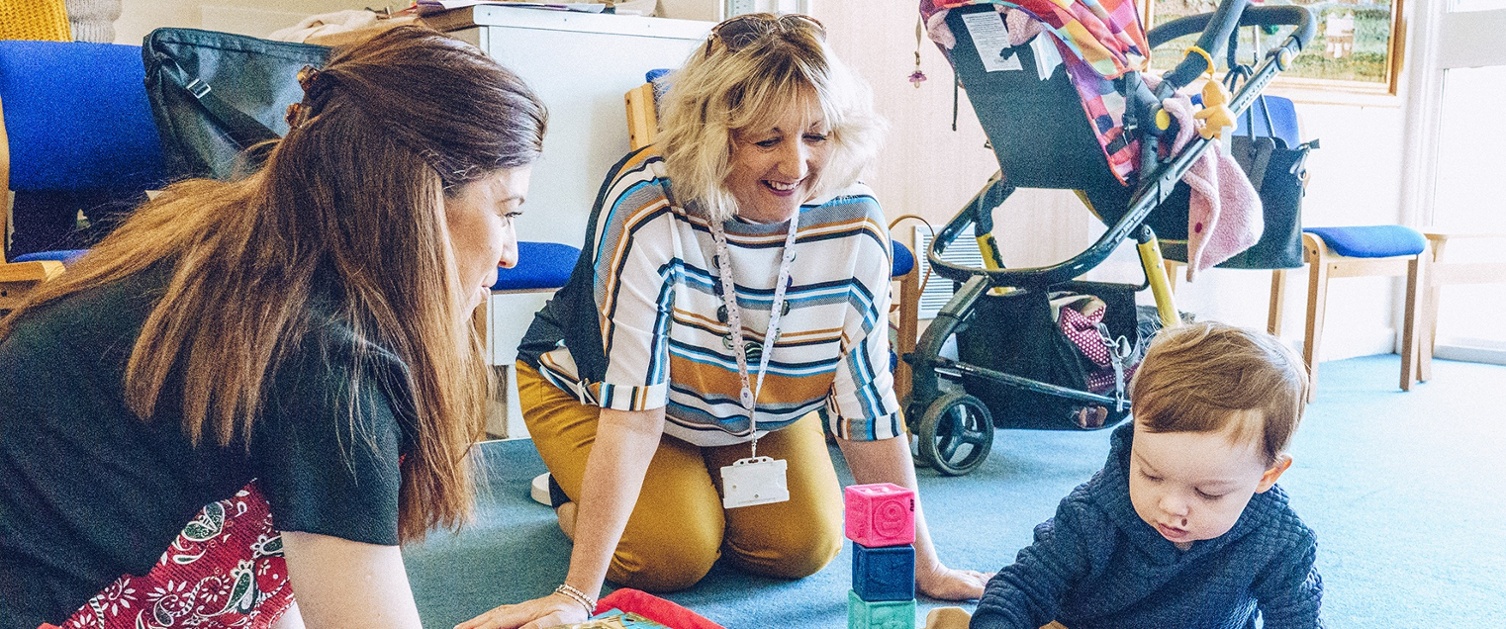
(1196, 376)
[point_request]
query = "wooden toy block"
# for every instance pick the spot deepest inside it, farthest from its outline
(863, 614)
(886, 573)
(881, 514)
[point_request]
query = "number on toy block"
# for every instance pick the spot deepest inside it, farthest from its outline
(882, 514)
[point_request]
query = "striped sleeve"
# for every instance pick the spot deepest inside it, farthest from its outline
(862, 405)
(635, 268)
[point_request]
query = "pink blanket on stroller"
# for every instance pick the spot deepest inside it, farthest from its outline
(1224, 213)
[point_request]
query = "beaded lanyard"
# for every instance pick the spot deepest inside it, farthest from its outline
(749, 395)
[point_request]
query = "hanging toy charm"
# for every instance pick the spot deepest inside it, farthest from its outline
(917, 77)
(1216, 116)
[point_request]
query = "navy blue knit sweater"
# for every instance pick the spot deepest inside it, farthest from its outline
(1097, 565)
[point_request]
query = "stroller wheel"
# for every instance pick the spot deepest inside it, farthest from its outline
(956, 434)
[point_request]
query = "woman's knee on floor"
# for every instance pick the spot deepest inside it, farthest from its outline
(675, 559)
(798, 548)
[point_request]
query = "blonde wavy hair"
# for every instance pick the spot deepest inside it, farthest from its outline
(723, 89)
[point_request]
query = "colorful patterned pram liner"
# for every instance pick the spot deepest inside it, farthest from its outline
(1098, 40)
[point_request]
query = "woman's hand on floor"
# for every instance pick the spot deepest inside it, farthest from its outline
(539, 613)
(947, 584)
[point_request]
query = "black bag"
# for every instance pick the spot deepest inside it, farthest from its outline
(1017, 333)
(215, 95)
(1279, 175)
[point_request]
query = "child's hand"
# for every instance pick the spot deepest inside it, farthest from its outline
(946, 584)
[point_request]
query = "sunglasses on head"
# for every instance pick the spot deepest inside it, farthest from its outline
(738, 32)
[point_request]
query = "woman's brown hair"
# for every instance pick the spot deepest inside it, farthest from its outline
(348, 207)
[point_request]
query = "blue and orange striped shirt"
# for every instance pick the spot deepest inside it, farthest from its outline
(654, 292)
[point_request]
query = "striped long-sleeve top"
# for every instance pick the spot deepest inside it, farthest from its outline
(637, 326)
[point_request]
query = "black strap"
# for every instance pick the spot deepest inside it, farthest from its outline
(242, 129)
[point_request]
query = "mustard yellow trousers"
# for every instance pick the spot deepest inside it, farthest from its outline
(679, 528)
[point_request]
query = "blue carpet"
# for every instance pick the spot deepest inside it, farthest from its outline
(1405, 491)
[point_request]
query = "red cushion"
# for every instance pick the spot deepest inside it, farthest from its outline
(654, 608)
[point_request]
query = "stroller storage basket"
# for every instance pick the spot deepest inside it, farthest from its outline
(1017, 333)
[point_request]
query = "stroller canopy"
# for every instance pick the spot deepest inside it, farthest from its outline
(1098, 40)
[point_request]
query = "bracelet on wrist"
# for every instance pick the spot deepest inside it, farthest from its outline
(578, 596)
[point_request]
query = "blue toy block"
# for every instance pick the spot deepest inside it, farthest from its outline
(886, 573)
(863, 614)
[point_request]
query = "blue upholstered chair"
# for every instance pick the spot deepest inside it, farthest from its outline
(76, 134)
(1363, 251)
(541, 266)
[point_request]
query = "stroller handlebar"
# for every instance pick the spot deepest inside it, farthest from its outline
(1195, 65)
(1215, 35)
(1154, 188)
(1285, 15)
(1213, 39)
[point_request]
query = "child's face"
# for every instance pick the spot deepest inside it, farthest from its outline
(1193, 486)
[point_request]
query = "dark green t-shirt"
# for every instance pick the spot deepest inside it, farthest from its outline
(89, 492)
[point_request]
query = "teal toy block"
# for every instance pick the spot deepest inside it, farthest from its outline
(886, 573)
(863, 614)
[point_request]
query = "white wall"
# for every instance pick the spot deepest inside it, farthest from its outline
(139, 17)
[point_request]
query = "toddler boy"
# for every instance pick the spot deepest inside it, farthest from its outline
(1184, 526)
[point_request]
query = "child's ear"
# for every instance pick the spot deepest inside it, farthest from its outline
(1283, 462)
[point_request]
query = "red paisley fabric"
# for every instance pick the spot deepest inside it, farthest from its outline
(225, 570)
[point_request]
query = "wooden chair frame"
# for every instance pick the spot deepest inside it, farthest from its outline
(1324, 265)
(1443, 273)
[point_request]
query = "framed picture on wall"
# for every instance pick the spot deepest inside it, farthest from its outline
(1357, 46)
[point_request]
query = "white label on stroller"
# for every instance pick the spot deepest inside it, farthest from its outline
(1046, 57)
(991, 38)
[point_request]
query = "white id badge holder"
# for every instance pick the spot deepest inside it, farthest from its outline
(755, 481)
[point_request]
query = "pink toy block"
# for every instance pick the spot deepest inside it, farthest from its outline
(882, 514)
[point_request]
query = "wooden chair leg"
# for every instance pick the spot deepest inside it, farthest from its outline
(909, 326)
(1278, 302)
(1427, 329)
(1427, 334)
(1317, 298)
(1416, 271)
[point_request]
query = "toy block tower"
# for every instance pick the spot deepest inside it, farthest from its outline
(881, 525)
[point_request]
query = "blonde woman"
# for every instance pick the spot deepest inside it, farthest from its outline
(735, 281)
(309, 327)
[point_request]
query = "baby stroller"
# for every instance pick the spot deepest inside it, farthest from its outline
(1017, 362)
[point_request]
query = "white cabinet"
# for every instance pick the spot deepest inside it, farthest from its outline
(581, 65)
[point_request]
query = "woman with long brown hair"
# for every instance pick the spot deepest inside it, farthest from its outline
(308, 326)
